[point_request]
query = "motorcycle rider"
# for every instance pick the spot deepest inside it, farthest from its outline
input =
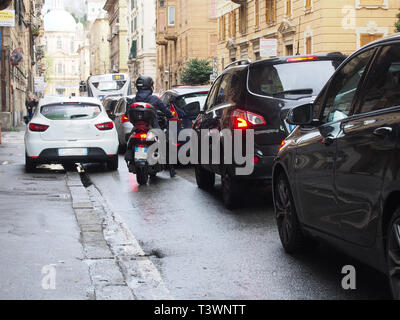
(145, 87)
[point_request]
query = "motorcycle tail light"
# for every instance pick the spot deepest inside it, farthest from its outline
(141, 136)
(124, 119)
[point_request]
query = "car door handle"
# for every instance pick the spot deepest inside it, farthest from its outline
(383, 131)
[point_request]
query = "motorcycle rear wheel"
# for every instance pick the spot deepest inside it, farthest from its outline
(142, 177)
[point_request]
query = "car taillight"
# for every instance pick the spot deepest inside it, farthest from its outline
(246, 120)
(300, 59)
(282, 145)
(124, 119)
(141, 136)
(105, 126)
(38, 127)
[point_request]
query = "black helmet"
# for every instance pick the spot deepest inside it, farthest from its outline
(144, 83)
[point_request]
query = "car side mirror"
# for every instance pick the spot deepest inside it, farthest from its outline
(192, 109)
(301, 115)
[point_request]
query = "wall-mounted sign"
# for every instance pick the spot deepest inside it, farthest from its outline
(268, 48)
(7, 18)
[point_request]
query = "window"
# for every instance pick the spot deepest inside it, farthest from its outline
(212, 95)
(59, 43)
(308, 45)
(223, 36)
(289, 50)
(243, 19)
(257, 13)
(233, 21)
(133, 4)
(223, 92)
(383, 86)
(142, 42)
(344, 86)
(308, 5)
(367, 38)
(270, 11)
(70, 112)
(372, 3)
(60, 68)
(171, 15)
(288, 11)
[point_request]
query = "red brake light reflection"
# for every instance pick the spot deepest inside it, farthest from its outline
(141, 136)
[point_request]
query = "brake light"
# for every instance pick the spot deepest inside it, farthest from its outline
(256, 160)
(246, 120)
(299, 59)
(144, 105)
(38, 127)
(124, 119)
(141, 136)
(282, 145)
(105, 126)
(173, 110)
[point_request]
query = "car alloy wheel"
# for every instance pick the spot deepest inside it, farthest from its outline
(292, 237)
(393, 255)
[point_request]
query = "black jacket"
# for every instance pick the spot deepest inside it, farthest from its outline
(148, 97)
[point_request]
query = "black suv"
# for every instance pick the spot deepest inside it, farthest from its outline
(258, 96)
(337, 175)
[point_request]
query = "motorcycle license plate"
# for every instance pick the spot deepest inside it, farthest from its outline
(140, 153)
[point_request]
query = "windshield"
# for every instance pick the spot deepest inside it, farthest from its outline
(291, 80)
(109, 85)
(201, 97)
(71, 111)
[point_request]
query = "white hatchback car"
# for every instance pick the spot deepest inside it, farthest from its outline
(70, 130)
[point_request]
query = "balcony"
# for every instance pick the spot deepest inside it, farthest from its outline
(239, 1)
(171, 35)
(160, 39)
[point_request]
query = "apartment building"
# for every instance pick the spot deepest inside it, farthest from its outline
(300, 26)
(142, 38)
(118, 35)
(185, 29)
(16, 80)
(99, 47)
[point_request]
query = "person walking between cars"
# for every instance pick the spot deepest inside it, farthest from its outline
(31, 103)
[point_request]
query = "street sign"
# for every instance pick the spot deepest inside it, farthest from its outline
(268, 47)
(7, 18)
(39, 84)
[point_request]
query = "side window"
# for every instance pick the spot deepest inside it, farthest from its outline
(118, 108)
(212, 95)
(343, 87)
(383, 85)
(165, 98)
(223, 92)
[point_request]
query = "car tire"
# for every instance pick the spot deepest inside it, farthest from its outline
(230, 190)
(292, 237)
(393, 254)
(30, 166)
(204, 178)
(142, 176)
(112, 165)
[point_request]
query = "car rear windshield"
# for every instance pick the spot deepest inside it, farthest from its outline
(291, 81)
(70, 111)
(201, 97)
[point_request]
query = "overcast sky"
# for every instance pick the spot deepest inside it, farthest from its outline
(76, 6)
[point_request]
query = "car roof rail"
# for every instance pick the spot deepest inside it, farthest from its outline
(238, 62)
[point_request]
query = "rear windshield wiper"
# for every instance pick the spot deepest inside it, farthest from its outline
(79, 116)
(295, 91)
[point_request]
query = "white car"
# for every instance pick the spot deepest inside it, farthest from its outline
(70, 130)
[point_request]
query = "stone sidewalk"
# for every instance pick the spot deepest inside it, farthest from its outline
(41, 256)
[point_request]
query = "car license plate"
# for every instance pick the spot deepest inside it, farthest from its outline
(141, 153)
(72, 152)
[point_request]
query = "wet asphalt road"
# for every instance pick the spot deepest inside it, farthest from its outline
(204, 251)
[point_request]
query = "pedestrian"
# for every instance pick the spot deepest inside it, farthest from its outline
(31, 103)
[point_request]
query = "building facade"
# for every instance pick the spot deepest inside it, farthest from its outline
(185, 29)
(118, 34)
(62, 41)
(300, 26)
(142, 38)
(17, 80)
(99, 46)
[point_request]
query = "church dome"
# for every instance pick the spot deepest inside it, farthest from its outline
(59, 20)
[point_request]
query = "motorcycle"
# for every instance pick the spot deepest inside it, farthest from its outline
(142, 115)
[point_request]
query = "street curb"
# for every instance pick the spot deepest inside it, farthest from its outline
(107, 279)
